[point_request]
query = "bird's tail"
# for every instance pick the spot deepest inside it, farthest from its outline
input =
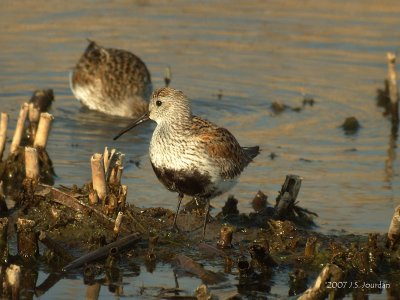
(252, 151)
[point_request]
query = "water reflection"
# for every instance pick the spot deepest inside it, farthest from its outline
(391, 155)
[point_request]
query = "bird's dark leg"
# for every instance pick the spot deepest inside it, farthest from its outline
(174, 226)
(206, 211)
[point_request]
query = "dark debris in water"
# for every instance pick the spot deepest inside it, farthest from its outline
(308, 100)
(351, 125)
(279, 107)
(42, 99)
(272, 155)
(383, 98)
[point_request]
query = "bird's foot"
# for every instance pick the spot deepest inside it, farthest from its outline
(175, 229)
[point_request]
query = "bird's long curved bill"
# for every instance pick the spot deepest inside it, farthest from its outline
(135, 123)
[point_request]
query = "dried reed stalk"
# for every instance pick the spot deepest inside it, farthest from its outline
(225, 237)
(3, 133)
(31, 163)
(123, 192)
(33, 117)
(98, 176)
(393, 90)
(310, 248)
(43, 130)
(118, 221)
(116, 175)
(19, 130)
(393, 235)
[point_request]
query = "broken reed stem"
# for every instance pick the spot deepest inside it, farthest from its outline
(107, 159)
(93, 198)
(282, 207)
(118, 221)
(123, 191)
(111, 206)
(3, 133)
(31, 163)
(110, 159)
(98, 176)
(393, 236)
(19, 130)
(393, 91)
(43, 130)
(119, 173)
(34, 113)
(225, 237)
(34, 117)
(114, 173)
(311, 243)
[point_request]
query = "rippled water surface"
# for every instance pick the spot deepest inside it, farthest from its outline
(255, 53)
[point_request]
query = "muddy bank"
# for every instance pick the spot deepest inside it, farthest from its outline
(246, 247)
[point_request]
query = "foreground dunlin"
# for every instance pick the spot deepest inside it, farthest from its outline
(190, 155)
(112, 81)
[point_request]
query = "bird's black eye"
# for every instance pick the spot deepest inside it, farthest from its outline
(158, 103)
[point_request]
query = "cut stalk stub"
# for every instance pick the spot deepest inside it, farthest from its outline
(31, 163)
(393, 236)
(3, 133)
(287, 196)
(19, 130)
(98, 176)
(393, 90)
(225, 237)
(43, 130)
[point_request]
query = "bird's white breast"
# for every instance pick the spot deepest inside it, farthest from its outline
(181, 153)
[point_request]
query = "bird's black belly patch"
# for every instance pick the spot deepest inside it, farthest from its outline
(191, 183)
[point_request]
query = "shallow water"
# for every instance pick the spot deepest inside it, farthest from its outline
(255, 52)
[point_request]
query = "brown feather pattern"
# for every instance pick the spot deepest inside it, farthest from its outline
(222, 146)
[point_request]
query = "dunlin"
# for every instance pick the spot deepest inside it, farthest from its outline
(190, 155)
(112, 81)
